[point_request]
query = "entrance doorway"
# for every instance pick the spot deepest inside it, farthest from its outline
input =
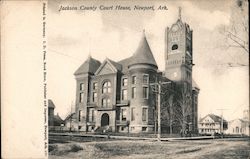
(105, 119)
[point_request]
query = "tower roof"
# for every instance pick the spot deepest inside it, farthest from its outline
(51, 104)
(89, 66)
(143, 54)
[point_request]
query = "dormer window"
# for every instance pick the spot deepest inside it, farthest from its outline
(175, 47)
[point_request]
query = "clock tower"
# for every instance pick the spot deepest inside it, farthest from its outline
(179, 52)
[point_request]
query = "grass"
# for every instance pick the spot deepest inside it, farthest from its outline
(125, 149)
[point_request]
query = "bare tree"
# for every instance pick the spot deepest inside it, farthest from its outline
(236, 34)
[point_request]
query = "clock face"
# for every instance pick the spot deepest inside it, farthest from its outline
(175, 28)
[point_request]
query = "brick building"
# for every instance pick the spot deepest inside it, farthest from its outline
(119, 95)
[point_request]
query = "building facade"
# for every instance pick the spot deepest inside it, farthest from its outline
(211, 124)
(118, 96)
(240, 126)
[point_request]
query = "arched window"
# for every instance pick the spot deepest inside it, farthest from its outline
(106, 87)
(175, 47)
(105, 102)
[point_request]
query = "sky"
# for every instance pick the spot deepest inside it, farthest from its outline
(73, 35)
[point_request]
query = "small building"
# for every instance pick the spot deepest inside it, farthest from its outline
(238, 127)
(211, 124)
(55, 121)
(70, 122)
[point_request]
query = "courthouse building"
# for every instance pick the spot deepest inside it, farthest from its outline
(120, 95)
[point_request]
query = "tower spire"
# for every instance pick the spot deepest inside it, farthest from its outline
(180, 13)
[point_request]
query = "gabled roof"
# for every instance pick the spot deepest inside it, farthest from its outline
(125, 63)
(214, 117)
(143, 54)
(114, 66)
(89, 66)
(70, 116)
(51, 104)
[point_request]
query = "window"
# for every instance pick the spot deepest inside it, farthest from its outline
(132, 114)
(124, 82)
(81, 86)
(80, 115)
(106, 87)
(133, 92)
(144, 128)
(81, 97)
(175, 47)
(144, 114)
(94, 97)
(124, 94)
(105, 102)
(145, 92)
(91, 115)
(133, 79)
(124, 114)
(145, 79)
(95, 85)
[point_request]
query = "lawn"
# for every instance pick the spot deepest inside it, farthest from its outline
(124, 149)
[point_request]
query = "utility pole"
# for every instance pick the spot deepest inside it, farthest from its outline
(70, 115)
(159, 85)
(221, 131)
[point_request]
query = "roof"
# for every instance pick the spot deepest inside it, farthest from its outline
(70, 116)
(51, 104)
(89, 66)
(143, 54)
(125, 63)
(115, 64)
(214, 117)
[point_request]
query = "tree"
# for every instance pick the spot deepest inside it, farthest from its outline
(236, 34)
(176, 108)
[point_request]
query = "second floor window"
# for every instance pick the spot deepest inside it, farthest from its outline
(145, 92)
(133, 79)
(105, 102)
(81, 86)
(133, 92)
(106, 87)
(124, 94)
(94, 97)
(95, 85)
(81, 97)
(145, 79)
(124, 82)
